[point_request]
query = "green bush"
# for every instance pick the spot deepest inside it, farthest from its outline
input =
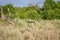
(33, 14)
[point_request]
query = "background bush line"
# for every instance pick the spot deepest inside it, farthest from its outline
(49, 11)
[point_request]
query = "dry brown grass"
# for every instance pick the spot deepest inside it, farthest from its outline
(41, 30)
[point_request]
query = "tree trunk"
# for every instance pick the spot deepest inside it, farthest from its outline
(2, 15)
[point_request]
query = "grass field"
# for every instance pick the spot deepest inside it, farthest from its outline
(22, 30)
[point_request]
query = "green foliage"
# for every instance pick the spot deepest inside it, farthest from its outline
(10, 7)
(29, 13)
(51, 14)
(21, 13)
(58, 4)
(33, 14)
(49, 4)
(49, 11)
(57, 13)
(45, 14)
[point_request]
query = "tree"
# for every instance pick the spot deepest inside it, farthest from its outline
(9, 9)
(58, 4)
(57, 13)
(49, 4)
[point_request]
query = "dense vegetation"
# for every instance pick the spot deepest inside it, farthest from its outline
(14, 23)
(49, 11)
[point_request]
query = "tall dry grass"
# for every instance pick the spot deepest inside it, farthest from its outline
(40, 30)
